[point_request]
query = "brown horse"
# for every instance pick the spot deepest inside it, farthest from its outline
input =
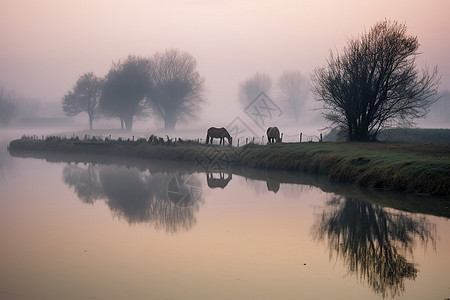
(218, 133)
(220, 182)
(273, 135)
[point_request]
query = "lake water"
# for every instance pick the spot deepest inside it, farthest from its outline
(103, 228)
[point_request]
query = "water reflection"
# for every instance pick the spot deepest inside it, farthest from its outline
(218, 180)
(273, 186)
(169, 201)
(367, 230)
(375, 243)
(5, 159)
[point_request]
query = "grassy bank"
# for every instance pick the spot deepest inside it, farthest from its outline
(412, 168)
(400, 167)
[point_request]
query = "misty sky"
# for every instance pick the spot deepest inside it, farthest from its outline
(47, 44)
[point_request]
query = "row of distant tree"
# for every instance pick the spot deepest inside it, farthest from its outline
(167, 84)
(371, 85)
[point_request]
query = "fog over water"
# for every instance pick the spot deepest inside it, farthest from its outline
(47, 45)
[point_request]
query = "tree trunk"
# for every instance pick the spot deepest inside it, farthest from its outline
(128, 123)
(169, 121)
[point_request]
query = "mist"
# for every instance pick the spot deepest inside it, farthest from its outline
(46, 46)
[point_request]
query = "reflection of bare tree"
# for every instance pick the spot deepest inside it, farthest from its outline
(127, 193)
(137, 196)
(373, 242)
(85, 182)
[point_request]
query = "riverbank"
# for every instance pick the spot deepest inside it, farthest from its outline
(410, 168)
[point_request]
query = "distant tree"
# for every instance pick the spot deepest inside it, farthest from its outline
(251, 88)
(123, 93)
(7, 108)
(374, 83)
(83, 97)
(177, 89)
(294, 90)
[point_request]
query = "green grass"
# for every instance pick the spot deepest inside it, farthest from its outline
(412, 168)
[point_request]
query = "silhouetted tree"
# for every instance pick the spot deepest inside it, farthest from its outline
(294, 89)
(123, 93)
(374, 83)
(177, 87)
(83, 97)
(251, 88)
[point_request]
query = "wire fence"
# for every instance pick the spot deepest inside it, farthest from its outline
(237, 142)
(285, 138)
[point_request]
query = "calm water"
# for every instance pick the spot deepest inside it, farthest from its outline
(106, 229)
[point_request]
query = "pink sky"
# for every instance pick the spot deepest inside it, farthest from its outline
(46, 45)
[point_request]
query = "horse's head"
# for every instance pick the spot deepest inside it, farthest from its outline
(230, 140)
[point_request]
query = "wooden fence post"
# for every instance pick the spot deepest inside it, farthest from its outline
(301, 137)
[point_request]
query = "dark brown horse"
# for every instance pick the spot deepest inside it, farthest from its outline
(218, 133)
(220, 182)
(273, 135)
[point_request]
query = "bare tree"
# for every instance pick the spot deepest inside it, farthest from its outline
(294, 90)
(123, 93)
(249, 89)
(177, 89)
(83, 97)
(374, 83)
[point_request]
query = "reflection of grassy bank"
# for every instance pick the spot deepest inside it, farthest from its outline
(437, 206)
(414, 168)
(402, 201)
